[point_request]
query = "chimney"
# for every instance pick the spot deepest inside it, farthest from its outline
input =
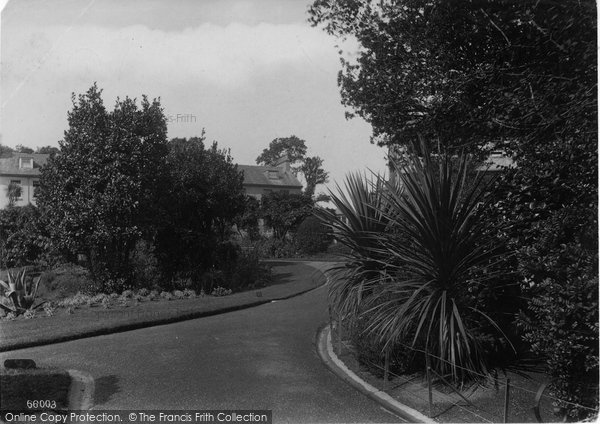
(283, 163)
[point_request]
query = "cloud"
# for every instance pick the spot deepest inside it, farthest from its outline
(226, 56)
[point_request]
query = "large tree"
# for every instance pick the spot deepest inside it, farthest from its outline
(295, 149)
(292, 146)
(47, 150)
(206, 195)
(99, 193)
(463, 73)
(314, 174)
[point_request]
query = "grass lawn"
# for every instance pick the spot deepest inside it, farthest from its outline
(487, 401)
(290, 278)
(18, 386)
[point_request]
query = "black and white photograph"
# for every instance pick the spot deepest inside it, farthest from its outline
(299, 211)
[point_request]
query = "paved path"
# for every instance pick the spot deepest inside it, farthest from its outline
(258, 358)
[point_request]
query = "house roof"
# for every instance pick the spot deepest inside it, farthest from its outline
(10, 166)
(260, 176)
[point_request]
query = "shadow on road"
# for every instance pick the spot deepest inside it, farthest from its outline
(105, 388)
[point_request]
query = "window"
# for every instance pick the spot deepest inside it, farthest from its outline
(273, 174)
(36, 184)
(26, 163)
(15, 191)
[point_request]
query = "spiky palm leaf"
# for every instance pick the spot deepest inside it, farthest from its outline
(429, 297)
(19, 290)
(364, 215)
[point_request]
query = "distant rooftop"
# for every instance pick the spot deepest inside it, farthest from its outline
(23, 164)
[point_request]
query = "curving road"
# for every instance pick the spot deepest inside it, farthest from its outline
(258, 358)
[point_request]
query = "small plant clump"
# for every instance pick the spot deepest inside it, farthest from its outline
(49, 309)
(220, 291)
(189, 293)
(166, 295)
(29, 314)
(178, 294)
(143, 292)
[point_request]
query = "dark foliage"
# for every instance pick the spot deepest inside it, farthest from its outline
(205, 197)
(560, 321)
(248, 221)
(283, 212)
(99, 193)
(23, 238)
(292, 146)
(312, 236)
(521, 75)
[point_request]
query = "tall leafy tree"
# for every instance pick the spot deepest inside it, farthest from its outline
(295, 149)
(284, 212)
(292, 146)
(312, 169)
(23, 149)
(99, 192)
(5, 151)
(48, 150)
(465, 73)
(206, 195)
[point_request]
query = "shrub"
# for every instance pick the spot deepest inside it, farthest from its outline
(248, 273)
(64, 280)
(276, 248)
(312, 236)
(144, 266)
(560, 281)
(226, 254)
(23, 239)
(211, 279)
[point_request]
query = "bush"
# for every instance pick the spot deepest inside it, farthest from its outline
(211, 279)
(312, 236)
(249, 273)
(276, 248)
(65, 280)
(144, 266)
(242, 273)
(23, 239)
(560, 281)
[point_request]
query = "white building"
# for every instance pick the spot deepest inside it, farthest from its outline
(21, 170)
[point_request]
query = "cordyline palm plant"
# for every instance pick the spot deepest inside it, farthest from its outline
(20, 290)
(433, 257)
(364, 216)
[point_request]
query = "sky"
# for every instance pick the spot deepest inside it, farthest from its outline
(246, 71)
